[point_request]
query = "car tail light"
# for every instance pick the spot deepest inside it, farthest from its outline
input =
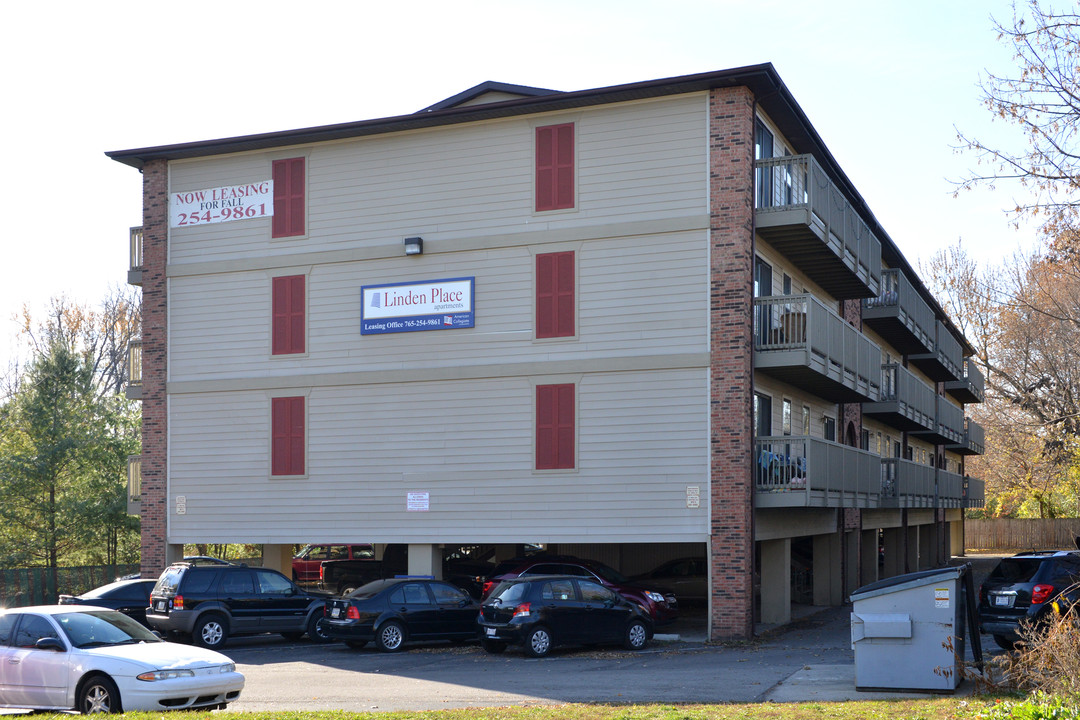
(352, 613)
(322, 573)
(488, 584)
(1041, 593)
(178, 602)
(522, 610)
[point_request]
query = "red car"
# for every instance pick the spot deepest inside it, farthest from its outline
(306, 563)
(661, 605)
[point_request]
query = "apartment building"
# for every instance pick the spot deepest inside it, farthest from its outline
(632, 323)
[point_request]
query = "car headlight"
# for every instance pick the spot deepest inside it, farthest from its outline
(165, 675)
(228, 668)
(654, 596)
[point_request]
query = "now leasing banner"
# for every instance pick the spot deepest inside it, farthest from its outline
(423, 305)
(221, 204)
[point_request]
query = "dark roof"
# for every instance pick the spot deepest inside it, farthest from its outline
(770, 93)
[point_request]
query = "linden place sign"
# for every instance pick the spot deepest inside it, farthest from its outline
(422, 305)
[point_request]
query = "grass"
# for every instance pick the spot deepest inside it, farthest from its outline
(930, 708)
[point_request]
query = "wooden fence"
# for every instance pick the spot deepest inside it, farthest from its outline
(1021, 534)
(33, 586)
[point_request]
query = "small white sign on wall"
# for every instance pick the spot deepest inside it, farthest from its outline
(693, 496)
(181, 504)
(417, 501)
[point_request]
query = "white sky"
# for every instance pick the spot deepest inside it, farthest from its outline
(884, 83)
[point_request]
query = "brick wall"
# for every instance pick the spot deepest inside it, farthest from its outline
(154, 343)
(731, 185)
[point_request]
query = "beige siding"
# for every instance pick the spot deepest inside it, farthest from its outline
(642, 440)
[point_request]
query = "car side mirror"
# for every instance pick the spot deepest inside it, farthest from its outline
(50, 643)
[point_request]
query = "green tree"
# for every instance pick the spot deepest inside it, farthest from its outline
(61, 447)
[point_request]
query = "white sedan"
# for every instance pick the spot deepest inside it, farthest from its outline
(60, 657)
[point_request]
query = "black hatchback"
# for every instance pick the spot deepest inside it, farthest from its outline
(1022, 588)
(393, 612)
(541, 612)
(130, 597)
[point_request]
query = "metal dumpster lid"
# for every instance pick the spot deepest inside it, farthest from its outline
(910, 580)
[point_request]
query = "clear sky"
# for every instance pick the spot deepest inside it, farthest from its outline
(884, 83)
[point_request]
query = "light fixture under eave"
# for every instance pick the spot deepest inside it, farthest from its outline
(414, 246)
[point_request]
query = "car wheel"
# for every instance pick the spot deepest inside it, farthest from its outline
(538, 642)
(210, 632)
(1004, 642)
(98, 694)
(637, 636)
(316, 632)
(294, 636)
(391, 636)
(494, 647)
(356, 644)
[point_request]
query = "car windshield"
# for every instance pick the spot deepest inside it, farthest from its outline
(509, 593)
(98, 628)
(1016, 570)
(609, 574)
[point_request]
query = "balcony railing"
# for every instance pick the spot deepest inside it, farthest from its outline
(973, 441)
(948, 424)
(907, 403)
(134, 366)
(900, 315)
(974, 493)
(950, 489)
(798, 339)
(946, 361)
(808, 219)
(971, 388)
(135, 248)
(134, 484)
(800, 471)
(906, 484)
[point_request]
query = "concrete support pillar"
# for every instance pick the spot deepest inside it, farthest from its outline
(278, 557)
(776, 581)
(868, 557)
(929, 551)
(956, 537)
(895, 544)
(425, 560)
(851, 563)
(173, 553)
(912, 541)
(828, 589)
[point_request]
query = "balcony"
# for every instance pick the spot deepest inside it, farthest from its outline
(950, 489)
(974, 493)
(907, 403)
(948, 424)
(907, 484)
(973, 441)
(947, 359)
(800, 471)
(971, 388)
(900, 315)
(133, 391)
(808, 219)
(135, 242)
(799, 340)
(134, 484)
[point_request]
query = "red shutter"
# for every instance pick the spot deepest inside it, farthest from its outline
(554, 427)
(289, 315)
(555, 167)
(288, 197)
(555, 308)
(287, 436)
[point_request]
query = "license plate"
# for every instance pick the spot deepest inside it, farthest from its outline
(1005, 601)
(161, 606)
(490, 631)
(335, 612)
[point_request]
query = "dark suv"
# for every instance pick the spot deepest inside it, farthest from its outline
(660, 605)
(212, 601)
(1021, 589)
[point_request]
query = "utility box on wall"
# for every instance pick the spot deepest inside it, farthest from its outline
(908, 631)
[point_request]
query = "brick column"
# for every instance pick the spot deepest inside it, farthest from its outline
(731, 232)
(154, 344)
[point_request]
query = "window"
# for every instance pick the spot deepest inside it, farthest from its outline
(288, 312)
(555, 167)
(763, 150)
(554, 427)
(7, 628)
(557, 590)
(287, 446)
(806, 420)
(289, 184)
(787, 284)
(270, 583)
(785, 418)
(237, 583)
(594, 593)
(762, 278)
(828, 428)
(448, 595)
(762, 415)
(555, 295)
(33, 628)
